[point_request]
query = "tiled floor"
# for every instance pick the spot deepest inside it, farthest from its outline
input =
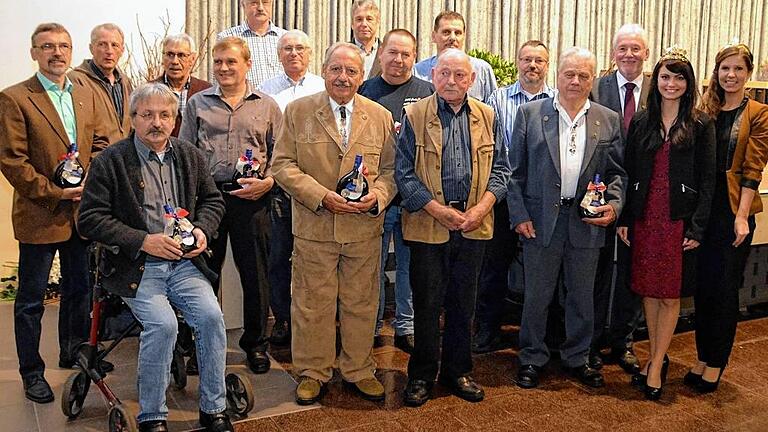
(741, 403)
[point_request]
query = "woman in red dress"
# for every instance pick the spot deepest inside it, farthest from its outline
(670, 160)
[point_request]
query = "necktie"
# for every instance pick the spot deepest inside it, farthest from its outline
(629, 104)
(343, 128)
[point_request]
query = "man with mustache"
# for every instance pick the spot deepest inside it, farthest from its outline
(40, 119)
(179, 57)
(533, 64)
(262, 35)
(337, 243)
(449, 32)
(366, 18)
(225, 121)
(625, 91)
(395, 89)
(103, 75)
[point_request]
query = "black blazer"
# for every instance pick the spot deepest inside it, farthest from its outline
(691, 174)
(111, 210)
(605, 91)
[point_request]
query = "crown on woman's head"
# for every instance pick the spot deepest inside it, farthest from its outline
(675, 53)
(736, 44)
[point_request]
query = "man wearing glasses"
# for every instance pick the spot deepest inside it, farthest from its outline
(262, 35)
(39, 120)
(104, 77)
(179, 57)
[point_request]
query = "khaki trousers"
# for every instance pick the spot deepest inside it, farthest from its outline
(324, 275)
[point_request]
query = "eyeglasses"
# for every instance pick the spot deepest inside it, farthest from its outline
(51, 47)
(537, 60)
(164, 116)
(298, 48)
(180, 55)
(254, 2)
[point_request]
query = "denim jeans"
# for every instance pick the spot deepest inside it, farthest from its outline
(403, 301)
(181, 284)
(35, 262)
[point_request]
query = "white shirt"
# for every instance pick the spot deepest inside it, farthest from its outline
(620, 80)
(571, 132)
(337, 115)
(284, 90)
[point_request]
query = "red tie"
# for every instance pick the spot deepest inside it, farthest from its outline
(629, 104)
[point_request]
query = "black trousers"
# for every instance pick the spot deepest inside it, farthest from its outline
(247, 225)
(494, 277)
(720, 275)
(444, 275)
(281, 247)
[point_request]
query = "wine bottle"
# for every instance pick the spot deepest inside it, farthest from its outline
(69, 173)
(247, 166)
(179, 228)
(353, 186)
(595, 197)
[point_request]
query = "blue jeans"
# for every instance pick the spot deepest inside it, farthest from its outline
(179, 283)
(403, 301)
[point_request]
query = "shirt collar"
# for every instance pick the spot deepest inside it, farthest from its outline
(556, 104)
(349, 105)
(249, 92)
(270, 30)
(362, 46)
(101, 75)
(621, 80)
(295, 83)
(517, 88)
(442, 104)
(145, 152)
(168, 83)
(49, 85)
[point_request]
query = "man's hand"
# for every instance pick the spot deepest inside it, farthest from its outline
(201, 241)
(366, 203)
(161, 246)
(449, 217)
(73, 194)
(690, 244)
(606, 219)
(335, 203)
(253, 188)
(623, 233)
(526, 230)
(473, 218)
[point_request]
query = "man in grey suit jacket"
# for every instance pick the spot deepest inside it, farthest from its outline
(629, 52)
(562, 142)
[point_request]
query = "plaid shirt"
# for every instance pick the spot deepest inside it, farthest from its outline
(505, 102)
(182, 95)
(115, 91)
(264, 61)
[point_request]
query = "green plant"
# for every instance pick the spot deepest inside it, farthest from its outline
(505, 70)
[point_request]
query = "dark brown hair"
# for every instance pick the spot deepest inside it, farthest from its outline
(714, 98)
(682, 129)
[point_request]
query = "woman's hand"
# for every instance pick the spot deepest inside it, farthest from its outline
(690, 244)
(623, 233)
(741, 229)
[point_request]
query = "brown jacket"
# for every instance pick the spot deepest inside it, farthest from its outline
(32, 139)
(422, 115)
(117, 129)
(750, 155)
(309, 161)
(195, 85)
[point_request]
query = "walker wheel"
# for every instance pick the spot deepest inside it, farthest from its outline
(239, 394)
(178, 370)
(121, 420)
(73, 394)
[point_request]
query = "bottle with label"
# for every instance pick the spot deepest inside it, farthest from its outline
(247, 166)
(69, 173)
(353, 186)
(179, 228)
(595, 197)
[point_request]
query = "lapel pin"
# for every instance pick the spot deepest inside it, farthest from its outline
(597, 122)
(594, 136)
(546, 118)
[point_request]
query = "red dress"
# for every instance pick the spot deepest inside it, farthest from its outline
(657, 240)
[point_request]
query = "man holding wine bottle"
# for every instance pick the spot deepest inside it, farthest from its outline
(337, 240)
(227, 121)
(41, 119)
(558, 147)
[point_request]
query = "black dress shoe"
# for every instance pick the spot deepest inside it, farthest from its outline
(281, 334)
(528, 376)
(594, 360)
(705, 386)
(464, 387)
(485, 341)
(405, 343)
(652, 393)
(627, 359)
(153, 426)
(692, 379)
(216, 422)
(192, 368)
(36, 389)
(258, 361)
(586, 375)
(417, 392)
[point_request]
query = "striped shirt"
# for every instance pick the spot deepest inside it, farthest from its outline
(181, 95)
(505, 102)
(264, 61)
(115, 91)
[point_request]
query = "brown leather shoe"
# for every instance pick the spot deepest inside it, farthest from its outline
(369, 389)
(308, 391)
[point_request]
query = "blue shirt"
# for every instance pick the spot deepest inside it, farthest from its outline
(485, 80)
(62, 101)
(505, 102)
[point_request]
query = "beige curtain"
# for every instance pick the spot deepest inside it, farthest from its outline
(499, 26)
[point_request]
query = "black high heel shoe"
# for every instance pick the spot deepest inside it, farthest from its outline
(704, 386)
(692, 380)
(654, 393)
(664, 369)
(638, 380)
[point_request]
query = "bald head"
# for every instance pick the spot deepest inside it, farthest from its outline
(453, 76)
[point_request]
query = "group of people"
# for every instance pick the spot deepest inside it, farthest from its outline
(457, 173)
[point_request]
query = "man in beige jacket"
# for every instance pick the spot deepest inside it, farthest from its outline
(337, 243)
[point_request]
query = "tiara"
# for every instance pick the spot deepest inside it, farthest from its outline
(675, 53)
(734, 43)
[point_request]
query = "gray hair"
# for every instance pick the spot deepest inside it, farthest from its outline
(298, 34)
(180, 38)
(455, 53)
(107, 27)
(338, 45)
(149, 90)
(579, 52)
(365, 4)
(631, 29)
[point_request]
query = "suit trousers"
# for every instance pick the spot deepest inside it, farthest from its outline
(327, 276)
(35, 261)
(613, 294)
(542, 266)
(444, 276)
(247, 225)
(281, 246)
